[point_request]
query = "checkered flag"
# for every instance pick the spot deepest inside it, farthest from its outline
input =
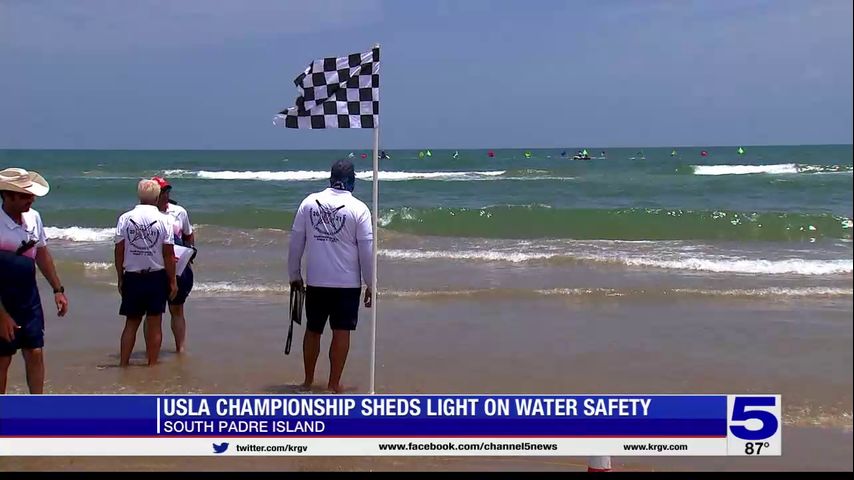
(341, 92)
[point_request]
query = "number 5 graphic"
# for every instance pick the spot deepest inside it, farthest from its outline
(740, 413)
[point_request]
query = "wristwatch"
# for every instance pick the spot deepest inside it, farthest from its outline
(61, 289)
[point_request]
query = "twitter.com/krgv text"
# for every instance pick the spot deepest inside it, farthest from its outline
(288, 448)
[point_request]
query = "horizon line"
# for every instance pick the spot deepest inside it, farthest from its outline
(165, 149)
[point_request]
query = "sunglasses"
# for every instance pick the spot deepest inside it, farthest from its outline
(25, 246)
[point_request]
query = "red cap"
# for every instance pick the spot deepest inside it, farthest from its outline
(162, 182)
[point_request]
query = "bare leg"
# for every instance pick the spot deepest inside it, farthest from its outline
(4, 371)
(153, 337)
(128, 339)
(34, 361)
(337, 358)
(179, 326)
(310, 352)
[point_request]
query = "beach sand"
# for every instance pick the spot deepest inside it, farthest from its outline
(575, 344)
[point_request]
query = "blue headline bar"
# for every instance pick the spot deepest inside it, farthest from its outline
(363, 415)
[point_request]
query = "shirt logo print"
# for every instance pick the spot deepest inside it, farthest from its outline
(327, 220)
(143, 236)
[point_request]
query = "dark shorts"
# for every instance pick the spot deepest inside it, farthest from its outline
(185, 285)
(339, 305)
(144, 293)
(19, 294)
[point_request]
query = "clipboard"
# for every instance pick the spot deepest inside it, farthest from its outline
(183, 257)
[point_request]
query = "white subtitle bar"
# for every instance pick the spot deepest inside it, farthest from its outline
(364, 446)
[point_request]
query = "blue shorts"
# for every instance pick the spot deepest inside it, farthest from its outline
(19, 294)
(144, 293)
(339, 305)
(185, 286)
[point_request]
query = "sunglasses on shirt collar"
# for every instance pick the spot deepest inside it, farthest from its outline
(26, 245)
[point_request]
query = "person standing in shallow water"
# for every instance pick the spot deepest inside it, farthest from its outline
(23, 247)
(184, 235)
(333, 228)
(145, 265)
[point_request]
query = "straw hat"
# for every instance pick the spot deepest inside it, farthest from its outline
(22, 181)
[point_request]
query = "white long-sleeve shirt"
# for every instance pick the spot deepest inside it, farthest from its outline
(334, 229)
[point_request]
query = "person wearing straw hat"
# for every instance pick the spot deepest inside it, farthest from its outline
(23, 247)
(334, 229)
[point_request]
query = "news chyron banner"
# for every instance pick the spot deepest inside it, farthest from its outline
(390, 425)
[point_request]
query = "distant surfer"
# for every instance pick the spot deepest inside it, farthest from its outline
(384, 155)
(581, 155)
(455, 155)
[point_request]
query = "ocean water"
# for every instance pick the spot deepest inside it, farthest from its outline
(775, 210)
(767, 194)
(640, 272)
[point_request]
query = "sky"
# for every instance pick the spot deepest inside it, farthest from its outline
(210, 74)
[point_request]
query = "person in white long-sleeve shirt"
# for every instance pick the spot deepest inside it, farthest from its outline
(334, 230)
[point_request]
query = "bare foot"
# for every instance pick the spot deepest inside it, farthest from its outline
(305, 387)
(338, 389)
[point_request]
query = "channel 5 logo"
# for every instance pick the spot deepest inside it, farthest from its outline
(752, 411)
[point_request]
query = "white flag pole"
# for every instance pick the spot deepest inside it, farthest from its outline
(374, 290)
(376, 248)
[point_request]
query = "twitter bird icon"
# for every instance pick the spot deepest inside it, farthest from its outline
(221, 448)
